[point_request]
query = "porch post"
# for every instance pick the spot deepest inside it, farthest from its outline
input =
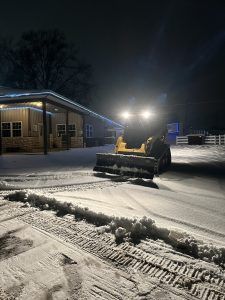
(67, 130)
(45, 129)
(0, 131)
(84, 131)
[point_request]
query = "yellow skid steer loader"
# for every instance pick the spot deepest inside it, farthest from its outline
(140, 152)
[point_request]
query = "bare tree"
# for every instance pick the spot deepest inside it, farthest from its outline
(45, 60)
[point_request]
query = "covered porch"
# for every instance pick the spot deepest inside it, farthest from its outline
(39, 122)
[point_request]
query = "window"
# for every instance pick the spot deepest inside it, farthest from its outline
(72, 130)
(6, 129)
(16, 129)
(110, 133)
(89, 130)
(60, 129)
(11, 129)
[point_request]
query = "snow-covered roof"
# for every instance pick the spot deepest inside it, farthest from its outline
(7, 95)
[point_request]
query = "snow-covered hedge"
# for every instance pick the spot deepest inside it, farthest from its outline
(132, 230)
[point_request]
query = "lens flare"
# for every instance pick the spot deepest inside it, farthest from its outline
(146, 114)
(126, 115)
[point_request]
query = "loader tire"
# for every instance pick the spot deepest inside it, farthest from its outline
(155, 149)
(165, 161)
(168, 158)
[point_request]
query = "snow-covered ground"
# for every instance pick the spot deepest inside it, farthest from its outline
(68, 160)
(43, 256)
(190, 197)
(36, 265)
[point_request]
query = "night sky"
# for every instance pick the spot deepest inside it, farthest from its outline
(141, 51)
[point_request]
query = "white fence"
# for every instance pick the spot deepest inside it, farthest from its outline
(209, 140)
(180, 140)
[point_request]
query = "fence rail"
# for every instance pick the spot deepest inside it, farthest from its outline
(208, 140)
(181, 140)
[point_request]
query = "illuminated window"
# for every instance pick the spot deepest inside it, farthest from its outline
(11, 129)
(16, 129)
(6, 129)
(72, 130)
(61, 129)
(89, 130)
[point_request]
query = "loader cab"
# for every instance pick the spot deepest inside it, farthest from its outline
(137, 132)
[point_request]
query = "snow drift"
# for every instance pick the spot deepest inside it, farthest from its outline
(125, 229)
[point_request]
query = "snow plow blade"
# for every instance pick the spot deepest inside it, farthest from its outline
(126, 165)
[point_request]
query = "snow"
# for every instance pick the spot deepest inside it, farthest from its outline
(68, 160)
(41, 267)
(59, 258)
(190, 196)
(167, 208)
(37, 263)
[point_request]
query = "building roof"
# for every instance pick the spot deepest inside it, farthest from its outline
(8, 95)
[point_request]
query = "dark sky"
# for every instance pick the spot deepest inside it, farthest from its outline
(141, 51)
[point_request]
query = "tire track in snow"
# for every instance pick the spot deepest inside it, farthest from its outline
(61, 188)
(185, 275)
(54, 182)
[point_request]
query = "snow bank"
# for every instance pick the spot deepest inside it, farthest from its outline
(5, 186)
(125, 229)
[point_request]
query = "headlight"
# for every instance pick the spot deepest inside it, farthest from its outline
(146, 114)
(126, 115)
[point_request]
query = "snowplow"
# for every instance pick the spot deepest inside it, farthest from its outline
(140, 152)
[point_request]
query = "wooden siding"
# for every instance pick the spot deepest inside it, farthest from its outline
(32, 135)
(35, 118)
(31, 120)
(74, 118)
(98, 126)
(16, 115)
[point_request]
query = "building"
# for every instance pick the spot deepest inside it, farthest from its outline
(34, 121)
(99, 131)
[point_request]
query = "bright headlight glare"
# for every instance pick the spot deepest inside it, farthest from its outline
(146, 114)
(126, 115)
